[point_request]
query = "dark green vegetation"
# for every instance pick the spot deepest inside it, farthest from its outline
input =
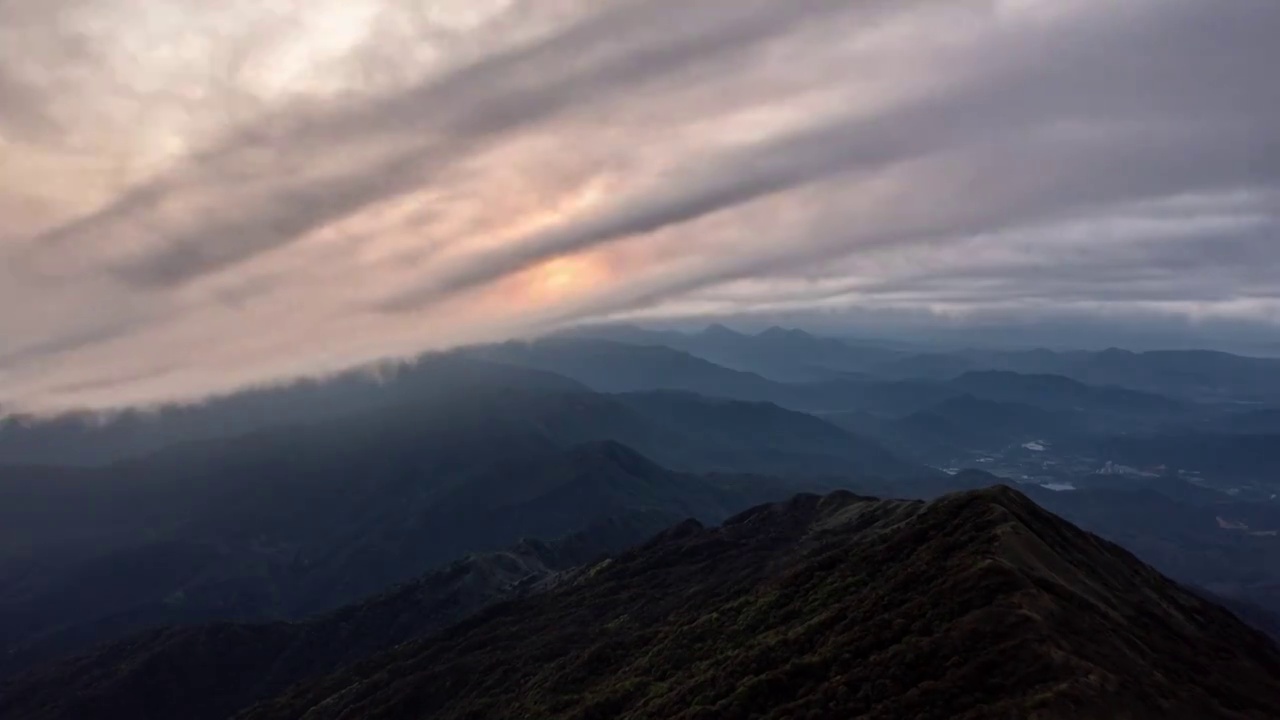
(977, 605)
(210, 671)
(1200, 537)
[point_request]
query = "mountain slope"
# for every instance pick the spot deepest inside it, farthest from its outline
(788, 355)
(615, 367)
(1194, 375)
(417, 445)
(286, 524)
(431, 381)
(715, 435)
(959, 424)
(210, 671)
(977, 605)
(1055, 392)
(608, 366)
(1200, 374)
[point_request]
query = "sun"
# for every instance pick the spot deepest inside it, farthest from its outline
(559, 275)
(565, 276)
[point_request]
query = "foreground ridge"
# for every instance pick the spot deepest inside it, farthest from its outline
(976, 605)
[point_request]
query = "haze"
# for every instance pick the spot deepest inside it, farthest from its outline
(198, 196)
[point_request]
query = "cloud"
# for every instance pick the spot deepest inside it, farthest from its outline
(282, 186)
(393, 178)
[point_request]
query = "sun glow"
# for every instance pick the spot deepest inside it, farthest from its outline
(564, 277)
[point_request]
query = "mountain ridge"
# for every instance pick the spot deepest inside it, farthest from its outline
(294, 528)
(115, 680)
(835, 606)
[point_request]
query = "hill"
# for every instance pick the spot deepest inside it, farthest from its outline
(1199, 537)
(1195, 375)
(258, 661)
(431, 381)
(787, 355)
(1061, 393)
(973, 606)
(616, 367)
(619, 367)
(715, 435)
(1199, 374)
(282, 524)
(609, 366)
(792, 355)
(969, 423)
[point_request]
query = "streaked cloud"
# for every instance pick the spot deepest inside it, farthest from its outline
(200, 196)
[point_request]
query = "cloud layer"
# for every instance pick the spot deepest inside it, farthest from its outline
(208, 195)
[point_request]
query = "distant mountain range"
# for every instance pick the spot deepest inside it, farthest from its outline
(923, 419)
(610, 366)
(787, 355)
(298, 519)
(283, 504)
(794, 355)
(962, 422)
(975, 605)
(1111, 392)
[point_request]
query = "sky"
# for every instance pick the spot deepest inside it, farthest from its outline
(201, 195)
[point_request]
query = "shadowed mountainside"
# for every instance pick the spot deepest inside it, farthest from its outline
(432, 381)
(973, 606)
(212, 670)
(286, 524)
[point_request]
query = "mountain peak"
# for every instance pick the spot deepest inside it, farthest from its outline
(978, 604)
(678, 532)
(716, 330)
(1117, 352)
(616, 454)
(777, 332)
(1004, 495)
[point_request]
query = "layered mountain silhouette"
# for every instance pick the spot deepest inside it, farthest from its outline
(1060, 393)
(784, 354)
(793, 356)
(229, 533)
(286, 523)
(612, 366)
(958, 423)
(615, 367)
(975, 605)
(434, 387)
(212, 670)
(433, 381)
(1196, 374)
